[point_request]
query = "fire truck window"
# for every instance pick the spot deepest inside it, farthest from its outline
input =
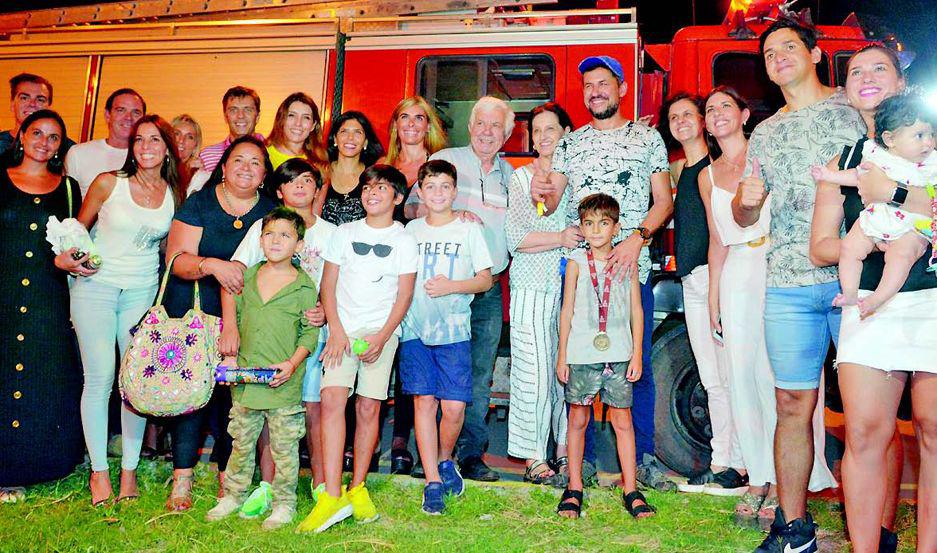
(841, 63)
(453, 83)
(745, 72)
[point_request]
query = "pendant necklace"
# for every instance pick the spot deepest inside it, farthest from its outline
(238, 224)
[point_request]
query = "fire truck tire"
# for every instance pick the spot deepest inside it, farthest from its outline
(683, 431)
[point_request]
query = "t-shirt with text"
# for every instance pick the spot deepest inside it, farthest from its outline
(370, 262)
(456, 250)
(618, 162)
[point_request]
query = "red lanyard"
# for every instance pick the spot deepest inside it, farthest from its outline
(603, 300)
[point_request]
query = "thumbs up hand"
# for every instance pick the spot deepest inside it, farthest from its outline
(752, 192)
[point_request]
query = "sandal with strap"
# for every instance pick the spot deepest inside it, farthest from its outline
(637, 510)
(567, 504)
(767, 512)
(746, 510)
(560, 477)
(180, 498)
(536, 473)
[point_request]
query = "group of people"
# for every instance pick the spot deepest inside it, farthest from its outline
(774, 266)
(347, 267)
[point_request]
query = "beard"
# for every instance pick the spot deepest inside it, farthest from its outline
(606, 113)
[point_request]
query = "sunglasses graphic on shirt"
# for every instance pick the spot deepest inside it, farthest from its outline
(380, 250)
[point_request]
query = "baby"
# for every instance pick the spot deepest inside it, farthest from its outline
(904, 149)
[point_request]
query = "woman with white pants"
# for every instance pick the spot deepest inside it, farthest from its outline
(128, 212)
(737, 272)
(681, 126)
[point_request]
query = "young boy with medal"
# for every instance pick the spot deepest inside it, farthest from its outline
(601, 329)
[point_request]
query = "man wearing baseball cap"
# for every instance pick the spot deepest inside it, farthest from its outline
(628, 161)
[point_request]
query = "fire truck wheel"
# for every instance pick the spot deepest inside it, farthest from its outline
(683, 431)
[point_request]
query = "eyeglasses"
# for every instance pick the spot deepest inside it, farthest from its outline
(380, 250)
(497, 202)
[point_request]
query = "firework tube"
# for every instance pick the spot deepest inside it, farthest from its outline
(359, 346)
(244, 375)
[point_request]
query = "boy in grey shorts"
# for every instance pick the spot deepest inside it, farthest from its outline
(601, 330)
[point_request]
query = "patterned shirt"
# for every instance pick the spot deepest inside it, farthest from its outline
(532, 271)
(211, 155)
(786, 145)
(618, 162)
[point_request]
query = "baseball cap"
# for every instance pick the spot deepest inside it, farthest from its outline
(607, 62)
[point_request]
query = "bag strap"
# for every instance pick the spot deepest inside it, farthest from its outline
(197, 302)
(68, 192)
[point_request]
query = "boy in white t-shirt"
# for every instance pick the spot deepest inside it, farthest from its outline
(436, 347)
(296, 183)
(367, 285)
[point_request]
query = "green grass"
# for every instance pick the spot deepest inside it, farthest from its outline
(509, 517)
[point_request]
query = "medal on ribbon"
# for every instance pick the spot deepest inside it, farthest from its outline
(601, 341)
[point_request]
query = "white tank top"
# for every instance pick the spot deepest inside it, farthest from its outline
(127, 237)
(730, 233)
(585, 324)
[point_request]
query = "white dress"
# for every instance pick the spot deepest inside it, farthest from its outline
(881, 221)
(751, 380)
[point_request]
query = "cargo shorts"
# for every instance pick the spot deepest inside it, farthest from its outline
(609, 379)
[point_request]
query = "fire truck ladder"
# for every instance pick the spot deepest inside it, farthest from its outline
(140, 11)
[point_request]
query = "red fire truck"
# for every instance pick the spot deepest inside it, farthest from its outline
(369, 64)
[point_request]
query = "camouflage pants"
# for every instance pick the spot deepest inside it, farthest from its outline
(287, 425)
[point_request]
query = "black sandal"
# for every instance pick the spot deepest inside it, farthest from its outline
(634, 511)
(567, 505)
(401, 462)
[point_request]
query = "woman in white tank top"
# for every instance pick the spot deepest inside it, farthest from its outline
(128, 212)
(737, 267)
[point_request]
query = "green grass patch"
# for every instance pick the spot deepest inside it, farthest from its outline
(511, 517)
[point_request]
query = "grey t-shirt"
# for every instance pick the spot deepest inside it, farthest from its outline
(786, 145)
(618, 162)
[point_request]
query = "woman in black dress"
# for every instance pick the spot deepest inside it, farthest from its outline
(206, 230)
(40, 382)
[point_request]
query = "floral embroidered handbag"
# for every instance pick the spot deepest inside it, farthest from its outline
(168, 368)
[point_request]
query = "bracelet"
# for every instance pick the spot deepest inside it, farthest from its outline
(199, 267)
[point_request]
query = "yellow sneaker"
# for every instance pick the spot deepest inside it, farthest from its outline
(328, 511)
(362, 505)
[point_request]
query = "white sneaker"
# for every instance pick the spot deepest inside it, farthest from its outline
(225, 507)
(281, 516)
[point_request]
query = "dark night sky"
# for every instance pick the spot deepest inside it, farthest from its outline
(913, 21)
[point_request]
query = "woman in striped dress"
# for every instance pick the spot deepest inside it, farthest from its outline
(537, 243)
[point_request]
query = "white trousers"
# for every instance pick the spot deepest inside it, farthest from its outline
(537, 404)
(713, 369)
(742, 303)
(742, 308)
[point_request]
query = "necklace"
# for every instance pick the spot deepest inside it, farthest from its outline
(238, 224)
(145, 190)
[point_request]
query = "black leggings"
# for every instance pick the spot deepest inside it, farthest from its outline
(186, 431)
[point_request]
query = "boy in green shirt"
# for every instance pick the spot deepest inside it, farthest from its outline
(275, 334)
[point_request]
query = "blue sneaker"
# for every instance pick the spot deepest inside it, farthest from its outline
(433, 503)
(451, 478)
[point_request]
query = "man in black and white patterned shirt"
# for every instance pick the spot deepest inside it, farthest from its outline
(628, 161)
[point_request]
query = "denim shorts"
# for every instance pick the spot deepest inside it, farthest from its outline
(444, 371)
(312, 381)
(799, 323)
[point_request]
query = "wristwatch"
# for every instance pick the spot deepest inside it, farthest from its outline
(899, 195)
(646, 234)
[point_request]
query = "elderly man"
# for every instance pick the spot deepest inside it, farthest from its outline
(123, 108)
(28, 93)
(483, 180)
(628, 161)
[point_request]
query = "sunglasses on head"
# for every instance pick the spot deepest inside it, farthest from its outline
(380, 250)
